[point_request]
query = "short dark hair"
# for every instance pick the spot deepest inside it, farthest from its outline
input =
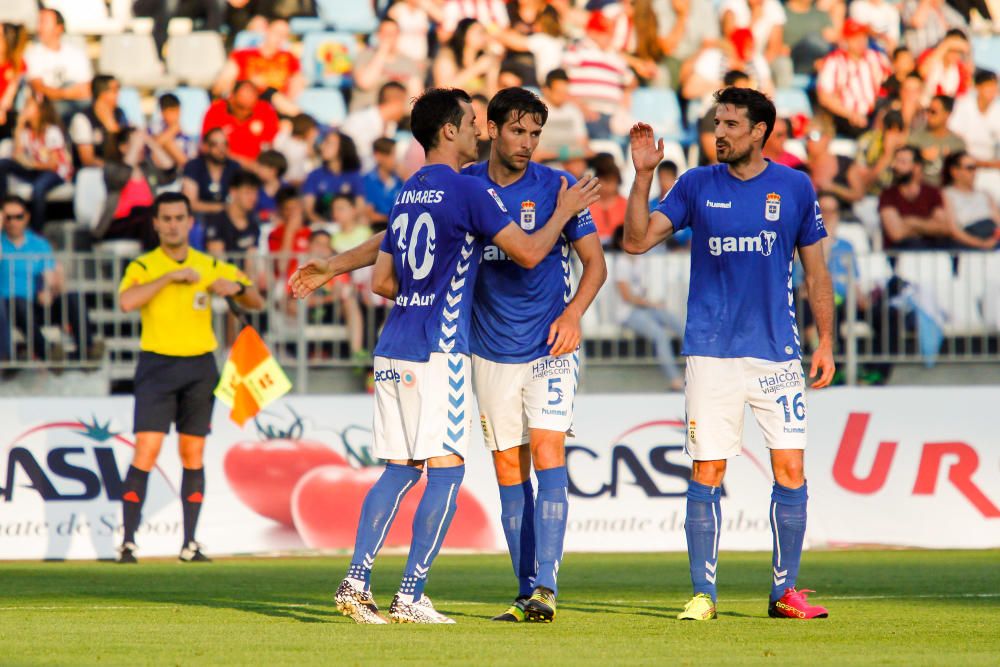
(983, 76)
(951, 161)
(169, 101)
(60, 20)
(284, 194)
(16, 199)
(893, 120)
(100, 83)
(730, 78)
(273, 159)
(605, 167)
(667, 165)
(433, 110)
(170, 198)
(384, 145)
(482, 99)
(386, 87)
(244, 179)
(515, 103)
(947, 101)
(214, 130)
(349, 198)
(245, 82)
(759, 108)
(320, 232)
(899, 50)
(957, 32)
(302, 124)
(558, 74)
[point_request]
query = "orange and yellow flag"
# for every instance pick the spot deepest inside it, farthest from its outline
(251, 378)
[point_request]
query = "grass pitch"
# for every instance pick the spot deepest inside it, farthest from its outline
(886, 607)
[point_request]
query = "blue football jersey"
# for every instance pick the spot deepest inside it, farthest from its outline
(436, 233)
(514, 306)
(744, 235)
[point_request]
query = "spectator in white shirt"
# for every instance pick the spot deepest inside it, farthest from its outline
(974, 211)
(381, 120)
(565, 135)
(59, 71)
(881, 17)
(976, 118)
(298, 148)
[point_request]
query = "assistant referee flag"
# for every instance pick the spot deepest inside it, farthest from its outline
(251, 378)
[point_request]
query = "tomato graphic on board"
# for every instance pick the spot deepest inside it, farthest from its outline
(264, 473)
(326, 506)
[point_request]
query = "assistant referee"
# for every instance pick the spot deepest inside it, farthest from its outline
(172, 286)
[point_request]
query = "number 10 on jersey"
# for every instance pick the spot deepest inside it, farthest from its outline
(420, 267)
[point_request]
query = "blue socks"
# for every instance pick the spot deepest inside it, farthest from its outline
(788, 528)
(550, 524)
(430, 525)
(377, 512)
(702, 526)
(517, 514)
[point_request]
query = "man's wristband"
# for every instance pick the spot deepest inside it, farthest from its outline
(242, 289)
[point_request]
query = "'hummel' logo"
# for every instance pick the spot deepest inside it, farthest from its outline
(718, 204)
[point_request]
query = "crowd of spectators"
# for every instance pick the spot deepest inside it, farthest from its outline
(895, 110)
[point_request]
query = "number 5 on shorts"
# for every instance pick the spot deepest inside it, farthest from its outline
(554, 389)
(798, 407)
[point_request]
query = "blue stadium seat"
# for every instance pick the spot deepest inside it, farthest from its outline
(130, 102)
(986, 52)
(356, 16)
(301, 25)
(326, 105)
(659, 107)
(328, 58)
(791, 102)
(247, 39)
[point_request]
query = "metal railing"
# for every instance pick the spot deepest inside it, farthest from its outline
(904, 308)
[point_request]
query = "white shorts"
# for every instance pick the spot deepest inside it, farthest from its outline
(422, 409)
(715, 396)
(516, 397)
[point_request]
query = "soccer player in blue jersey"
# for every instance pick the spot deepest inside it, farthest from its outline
(748, 215)
(428, 262)
(525, 351)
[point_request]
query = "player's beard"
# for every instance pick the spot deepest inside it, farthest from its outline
(732, 157)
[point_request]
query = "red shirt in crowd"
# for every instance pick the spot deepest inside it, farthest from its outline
(922, 206)
(274, 71)
(300, 244)
(246, 137)
(608, 217)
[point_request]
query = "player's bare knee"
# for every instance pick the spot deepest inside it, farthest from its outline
(548, 449)
(419, 465)
(449, 461)
(709, 473)
(788, 467)
(147, 450)
(192, 450)
(513, 466)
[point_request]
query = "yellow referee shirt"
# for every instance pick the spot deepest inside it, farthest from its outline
(178, 320)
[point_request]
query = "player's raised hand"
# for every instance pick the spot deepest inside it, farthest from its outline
(309, 277)
(647, 153)
(585, 192)
(564, 334)
(822, 363)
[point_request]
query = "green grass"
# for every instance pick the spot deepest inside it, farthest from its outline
(886, 607)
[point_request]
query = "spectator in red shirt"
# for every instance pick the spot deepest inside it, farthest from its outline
(248, 122)
(609, 211)
(291, 232)
(13, 40)
(850, 79)
(913, 212)
(270, 66)
(947, 68)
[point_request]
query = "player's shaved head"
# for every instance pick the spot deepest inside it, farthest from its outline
(433, 110)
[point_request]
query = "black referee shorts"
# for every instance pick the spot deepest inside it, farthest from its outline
(175, 390)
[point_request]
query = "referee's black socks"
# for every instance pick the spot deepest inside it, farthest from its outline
(192, 492)
(133, 497)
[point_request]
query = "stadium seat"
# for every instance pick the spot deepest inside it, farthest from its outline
(600, 321)
(792, 102)
(355, 16)
(20, 11)
(133, 61)
(194, 104)
(130, 102)
(611, 147)
(874, 271)
(196, 58)
(326, 105)
(301, 25)
(659, 107)
(86, 17)
(856, 235)
(247, 39)
(930, 271)
(328, 58)
(88, 200)
(986, 52)
(62, 192)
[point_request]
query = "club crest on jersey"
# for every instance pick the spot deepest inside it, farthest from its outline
(496, 198)
(527, 215)
(772, 207)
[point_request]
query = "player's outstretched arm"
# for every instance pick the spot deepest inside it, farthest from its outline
(384, 280)
(527, 250)
(642, 229)
(820, 288)
(565, 334)
(317, 272)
